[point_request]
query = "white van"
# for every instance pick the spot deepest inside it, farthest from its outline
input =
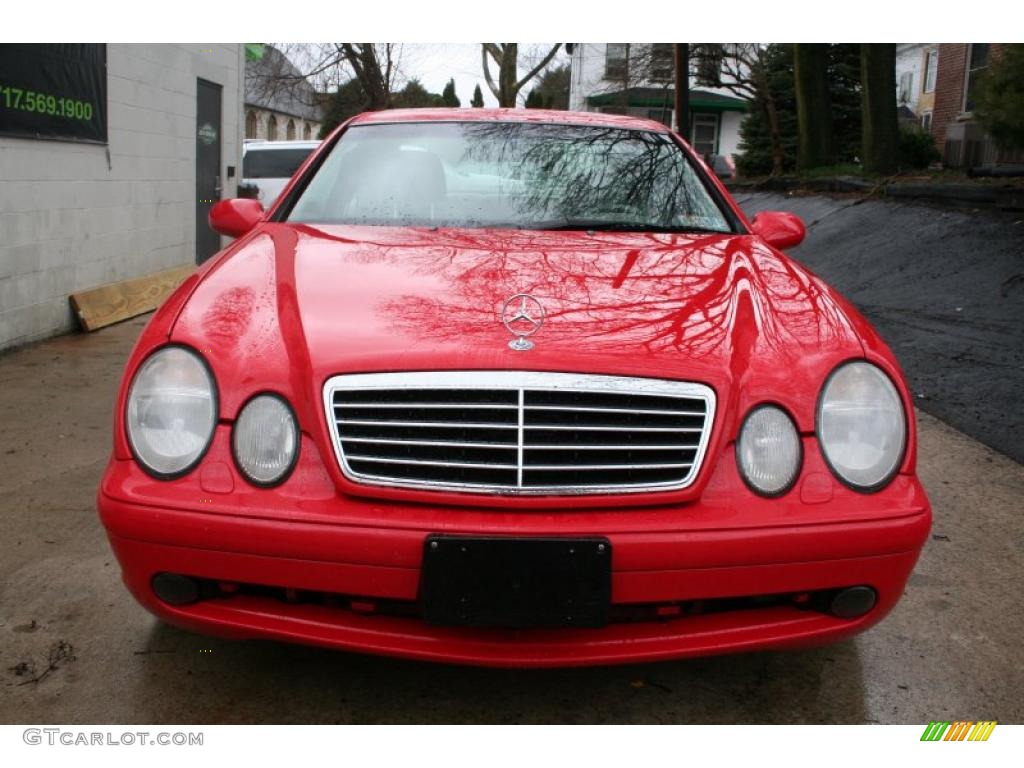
(268, 165)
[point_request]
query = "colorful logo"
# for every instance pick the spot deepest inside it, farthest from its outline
(960, 730)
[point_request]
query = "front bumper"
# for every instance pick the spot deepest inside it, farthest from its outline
(369, 552)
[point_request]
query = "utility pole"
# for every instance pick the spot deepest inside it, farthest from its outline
(682, 78)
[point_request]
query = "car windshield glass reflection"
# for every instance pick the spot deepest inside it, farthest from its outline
(509, 175)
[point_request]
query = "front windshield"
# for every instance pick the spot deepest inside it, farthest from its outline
(508, 175)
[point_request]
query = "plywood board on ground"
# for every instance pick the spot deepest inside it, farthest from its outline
(108, 304)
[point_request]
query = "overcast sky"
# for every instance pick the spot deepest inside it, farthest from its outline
(434, 63)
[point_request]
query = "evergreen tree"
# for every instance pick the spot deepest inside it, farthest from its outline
(844, 92)
(755, 158)
(415, 95)
(1000, 103)
(534, 100)
(478, 97)
(553, 87)
(843, 81)
(448, 96)
(348, 101)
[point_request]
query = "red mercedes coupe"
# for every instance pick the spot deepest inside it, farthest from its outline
(517, 388)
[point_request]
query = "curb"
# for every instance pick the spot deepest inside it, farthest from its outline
(1006, 197)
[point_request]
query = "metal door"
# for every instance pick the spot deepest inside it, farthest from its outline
(208, 182)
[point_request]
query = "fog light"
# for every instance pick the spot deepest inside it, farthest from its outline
(852, 602)
(175, 589)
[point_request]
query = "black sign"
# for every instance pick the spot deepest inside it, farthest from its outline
(54, 91)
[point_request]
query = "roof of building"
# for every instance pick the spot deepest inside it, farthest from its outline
(663, 97)
(272, 82)
(548, 116)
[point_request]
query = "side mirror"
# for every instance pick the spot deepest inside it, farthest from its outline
(779, 229)
(235, 217)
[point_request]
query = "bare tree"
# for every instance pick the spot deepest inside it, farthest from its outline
(374, 65)
(744, 70)
(374, 68)
(506, 58)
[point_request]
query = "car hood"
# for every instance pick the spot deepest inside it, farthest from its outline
(295, 304)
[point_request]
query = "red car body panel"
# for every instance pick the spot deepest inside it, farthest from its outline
(287, 306)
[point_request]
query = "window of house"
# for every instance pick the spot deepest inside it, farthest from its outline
(662, 62)
(906, 87)
(705, 134)
(290, 130)
(307, 131)
(977, 63)
(615, 60)
(931, 67)
(926, 122)
(250, 125)
(709, 64)
(272, 128)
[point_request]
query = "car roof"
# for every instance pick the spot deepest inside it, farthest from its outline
(474, 115)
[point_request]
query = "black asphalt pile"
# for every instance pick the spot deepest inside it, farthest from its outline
(945, 289)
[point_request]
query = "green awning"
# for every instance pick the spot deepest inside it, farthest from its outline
(703, 101)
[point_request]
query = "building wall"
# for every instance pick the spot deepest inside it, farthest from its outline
(729, 136)
(587, 75)
(257, 125)
(949, 89)
(910, 64)
(962, 141)
(75, 216)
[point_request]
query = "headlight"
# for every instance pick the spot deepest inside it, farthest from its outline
(265, 440)
(768, 451)
(172, 412)
(861, 425)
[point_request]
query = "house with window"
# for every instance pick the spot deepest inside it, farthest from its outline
(917, 67)
(280, 104)
(637, 79)
(962, 141)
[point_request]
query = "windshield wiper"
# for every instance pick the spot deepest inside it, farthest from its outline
(604, 225)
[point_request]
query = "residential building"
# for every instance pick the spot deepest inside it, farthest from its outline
(962, 141)
(916, 76)
(280, 104)
(115, 177)
(637, 79)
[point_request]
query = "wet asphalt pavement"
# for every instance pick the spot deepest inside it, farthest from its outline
(74, 647)
(945, 288)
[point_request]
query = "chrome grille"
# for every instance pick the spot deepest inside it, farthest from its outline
(518, 432)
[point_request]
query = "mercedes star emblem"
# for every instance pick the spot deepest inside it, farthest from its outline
(523, 315)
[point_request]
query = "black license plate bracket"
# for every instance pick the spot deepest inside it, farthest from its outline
(516, 582)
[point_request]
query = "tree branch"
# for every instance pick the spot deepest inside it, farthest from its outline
(487, 70)
(533, 72)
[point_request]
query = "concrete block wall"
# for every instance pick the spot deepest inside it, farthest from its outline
(75, 216)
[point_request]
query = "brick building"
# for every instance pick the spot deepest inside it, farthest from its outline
(85, 205)
(959, 137)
